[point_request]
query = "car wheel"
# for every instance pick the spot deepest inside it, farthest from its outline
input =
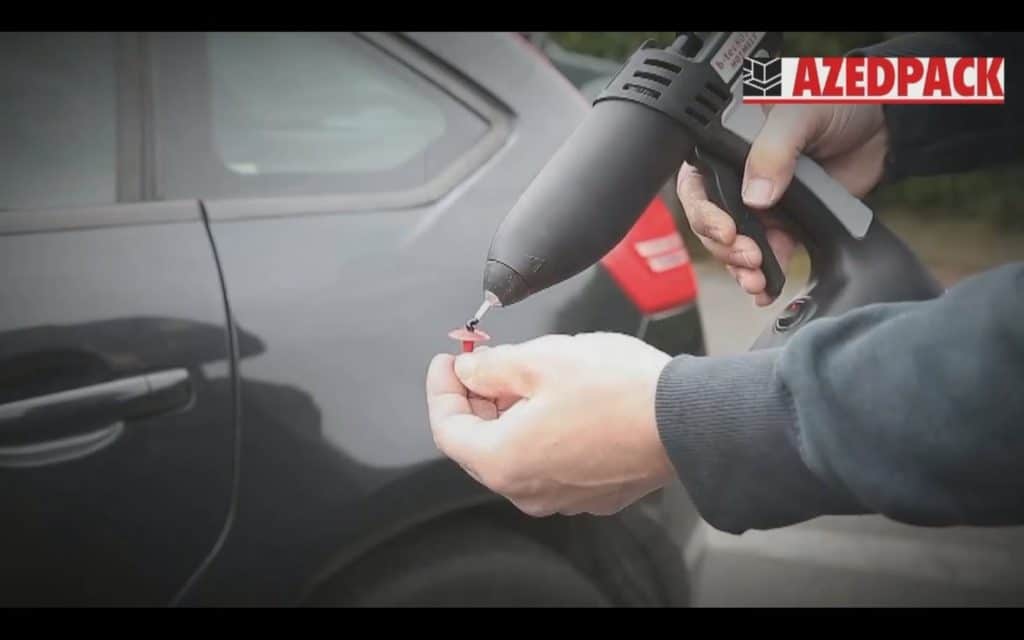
(466, 565)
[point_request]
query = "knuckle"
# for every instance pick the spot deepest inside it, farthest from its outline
(497, 351)
(433, 367)
(528, 375)
(549, 350)
(706, 218)
(742, 258)
(493, 354)
(606, 510)
(687, 180)
(699, 224)
(553, 340)
(684, 175)
(691, 206)
(713, 247)
(534, 509)
(710, 212)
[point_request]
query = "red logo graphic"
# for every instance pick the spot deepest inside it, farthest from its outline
(973, 80)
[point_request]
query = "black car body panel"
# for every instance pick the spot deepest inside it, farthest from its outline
(109, 511)
(314, 455)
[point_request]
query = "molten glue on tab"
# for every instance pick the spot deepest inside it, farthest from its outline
(470, 335)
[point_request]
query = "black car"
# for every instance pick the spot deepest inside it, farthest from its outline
(227, 260)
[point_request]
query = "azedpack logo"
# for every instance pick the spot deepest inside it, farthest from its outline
(874, 80)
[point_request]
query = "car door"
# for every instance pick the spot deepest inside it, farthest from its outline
(352, 182)
(117, 419)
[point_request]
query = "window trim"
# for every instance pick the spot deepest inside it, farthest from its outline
(130, 208)
(130, 106)
(122, 214)
(499, 126)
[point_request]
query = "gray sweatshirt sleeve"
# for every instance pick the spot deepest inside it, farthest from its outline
(911, 410)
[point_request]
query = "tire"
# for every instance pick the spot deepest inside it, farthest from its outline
(472, 564)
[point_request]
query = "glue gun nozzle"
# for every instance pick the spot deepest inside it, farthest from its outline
(475, 320)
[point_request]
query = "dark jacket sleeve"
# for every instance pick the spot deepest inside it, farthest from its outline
(910, 410)
(914, 410)
(936, 139)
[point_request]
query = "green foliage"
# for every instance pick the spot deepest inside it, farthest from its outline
(618, 45)
(828, 43)
(614, 45)
(992, 195)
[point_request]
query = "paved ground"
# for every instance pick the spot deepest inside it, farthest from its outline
(840, 561)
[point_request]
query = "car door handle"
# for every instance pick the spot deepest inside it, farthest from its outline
(67, 423)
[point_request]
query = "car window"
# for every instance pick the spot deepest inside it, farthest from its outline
(58, 120)
(300, 113)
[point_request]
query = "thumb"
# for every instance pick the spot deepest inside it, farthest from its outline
(771, 162)
(499, 371)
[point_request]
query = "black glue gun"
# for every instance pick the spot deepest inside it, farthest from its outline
(686, 102)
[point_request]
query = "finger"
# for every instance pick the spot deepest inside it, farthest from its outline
(773, 155)
(483, 408)
(705, 218)
(497, 404)
(534, 508)
(690, 184)
(604, 505)
(594, 505)
(744, 252)
(752, 281)
(751, 284)
(458, 432)
(504, 403)
(708, 220)
(446, 395)
(473, 473)
(502, 371)
(784, 246)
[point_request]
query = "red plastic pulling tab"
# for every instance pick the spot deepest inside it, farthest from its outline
(468, 338)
